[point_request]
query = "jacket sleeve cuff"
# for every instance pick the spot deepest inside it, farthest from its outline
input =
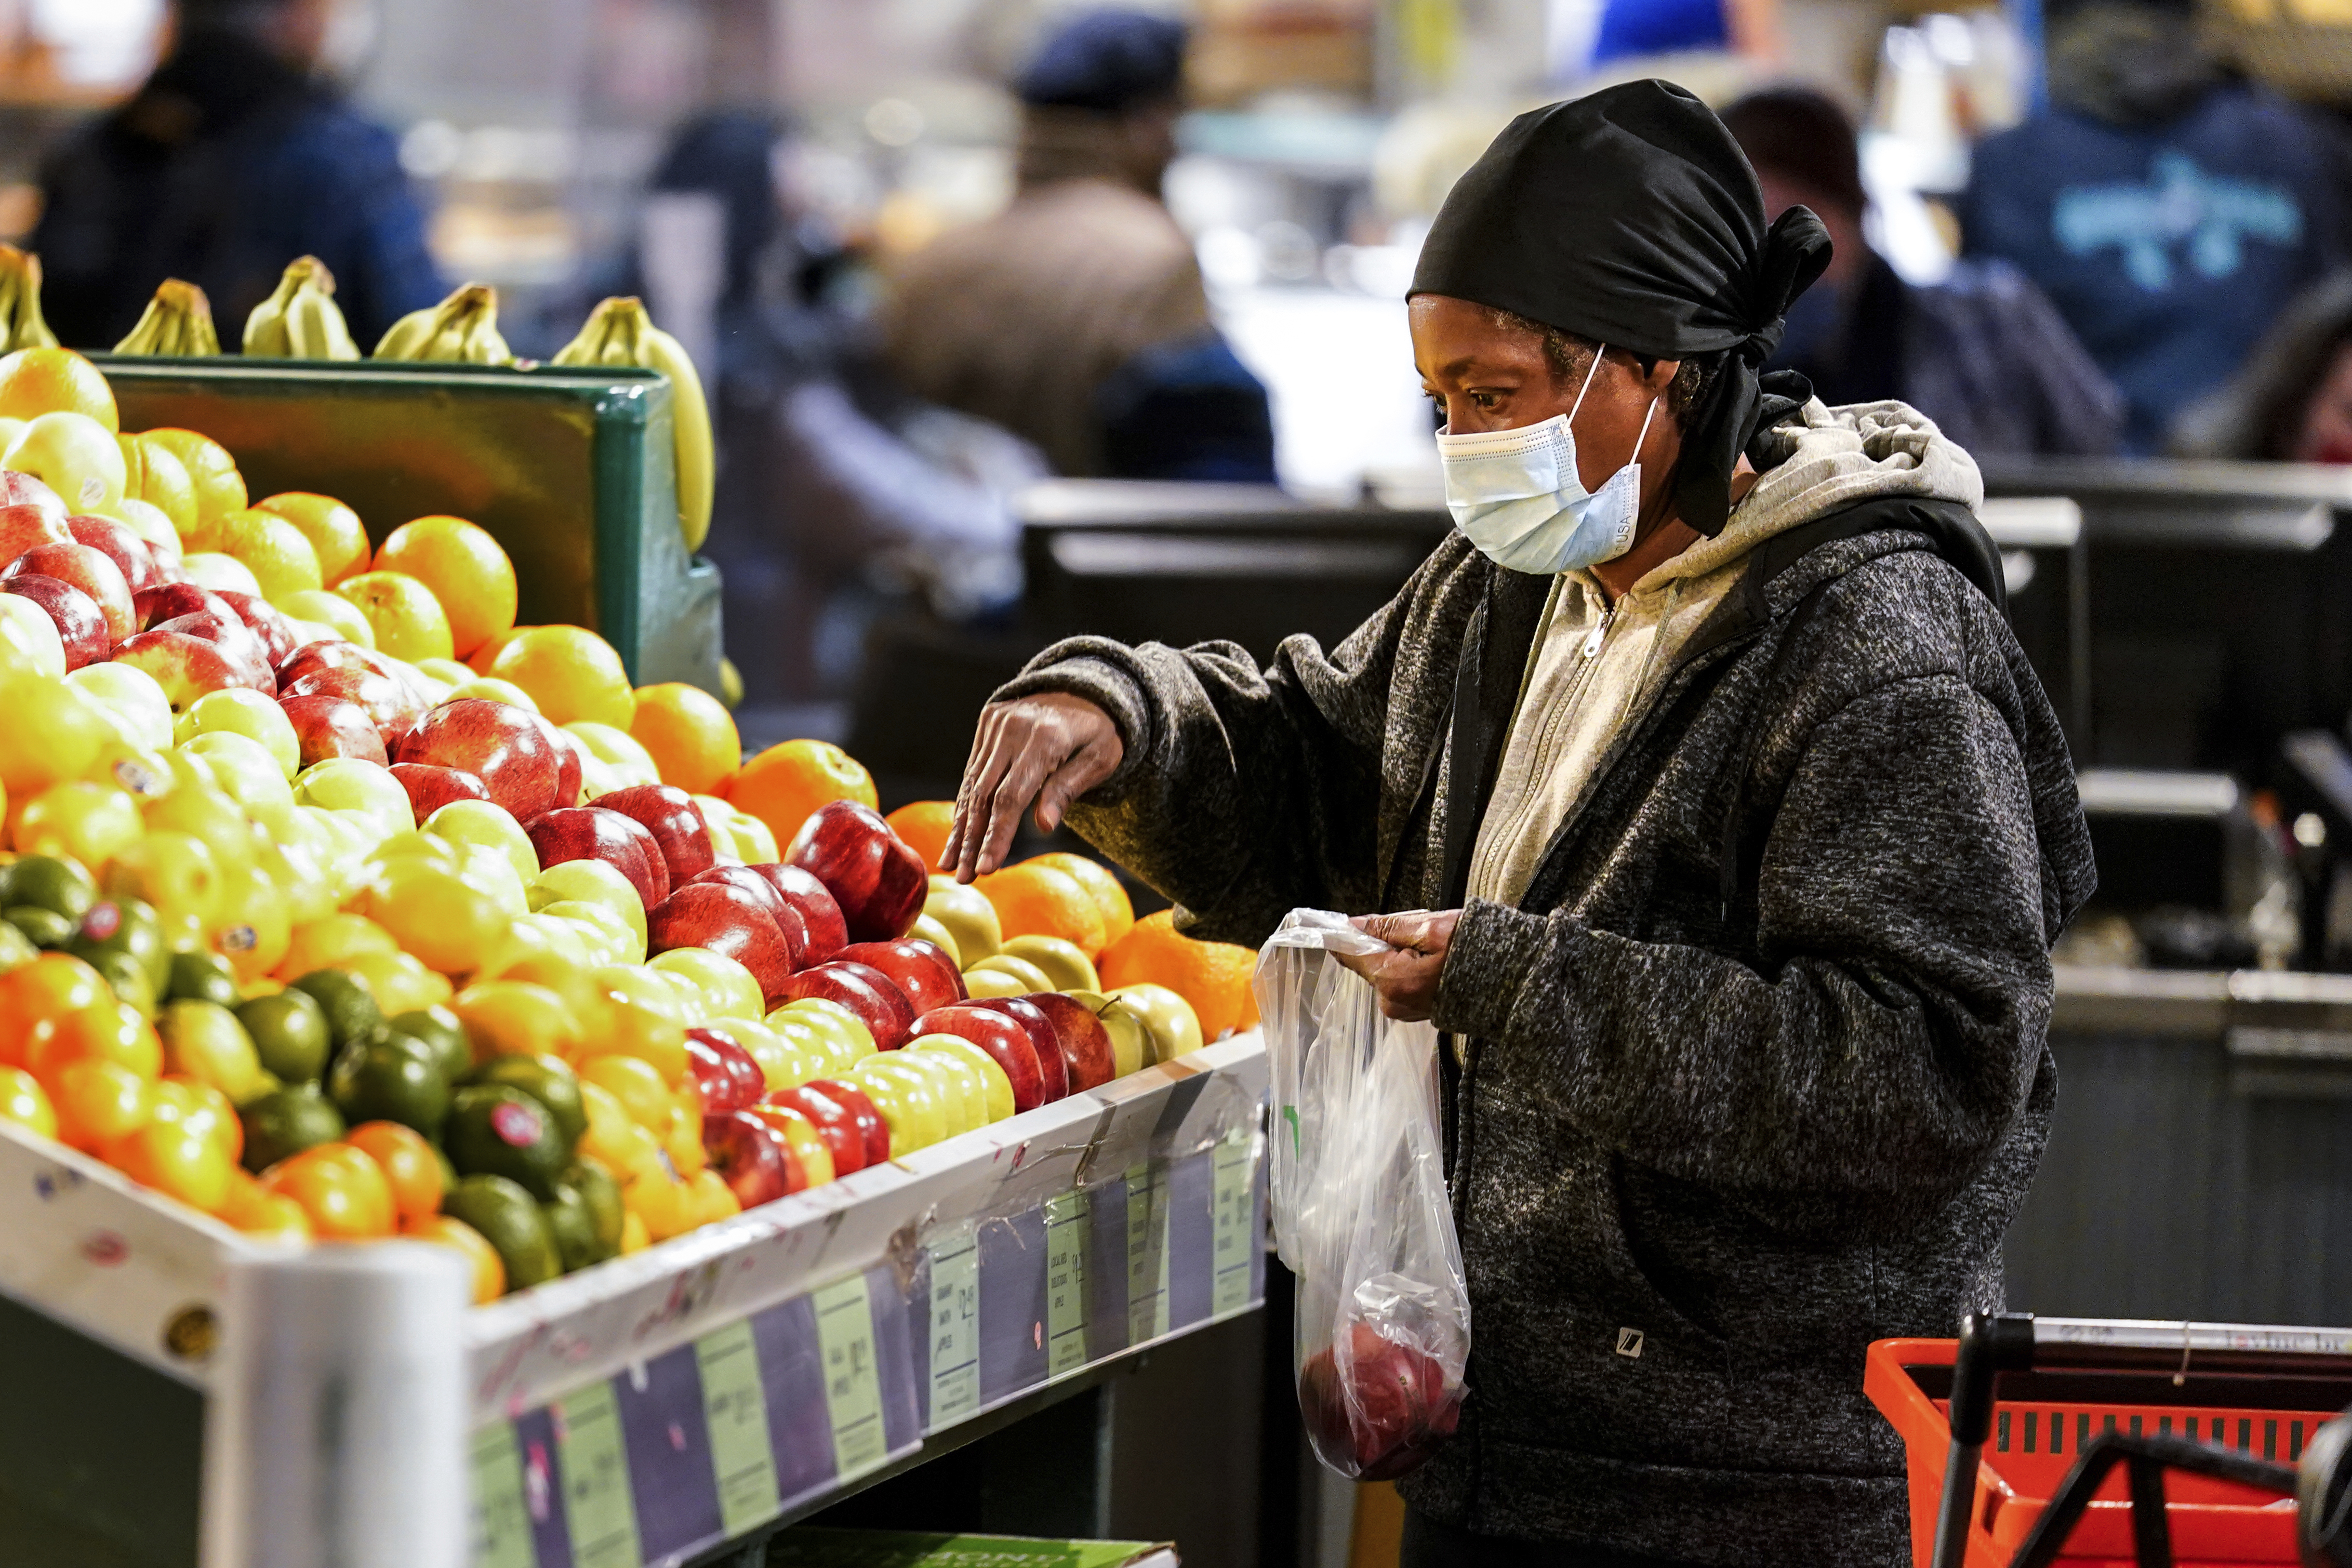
(1106, 685)
(1495, 949)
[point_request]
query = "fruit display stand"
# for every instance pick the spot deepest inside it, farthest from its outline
(659, 1407)
(573, 472)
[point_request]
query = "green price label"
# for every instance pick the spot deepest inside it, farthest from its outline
(955, 1324)
(597, 1506)
(1069, 1231)
(1147, 1253)
(1233, 1236)
(853, 1380)
(502, 1518)
(736, 1407)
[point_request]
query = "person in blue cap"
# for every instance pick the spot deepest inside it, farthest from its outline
(1077, 318)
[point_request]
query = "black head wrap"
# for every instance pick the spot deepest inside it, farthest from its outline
(1631, 217)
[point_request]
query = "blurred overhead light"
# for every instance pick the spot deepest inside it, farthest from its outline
(893, 121)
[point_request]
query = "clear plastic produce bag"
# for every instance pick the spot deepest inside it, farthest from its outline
(1361, 1211)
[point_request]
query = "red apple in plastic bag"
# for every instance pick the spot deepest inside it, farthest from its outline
(1401, 1409)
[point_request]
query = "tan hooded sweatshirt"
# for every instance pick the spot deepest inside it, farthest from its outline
(1596, 665)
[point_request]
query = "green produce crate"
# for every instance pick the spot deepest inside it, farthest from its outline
(572, 470)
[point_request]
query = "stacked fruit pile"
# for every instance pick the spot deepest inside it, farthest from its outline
(315, 928)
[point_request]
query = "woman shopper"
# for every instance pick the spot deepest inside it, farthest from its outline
(1748, 827)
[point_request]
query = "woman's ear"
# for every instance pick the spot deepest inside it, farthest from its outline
(1661, 376)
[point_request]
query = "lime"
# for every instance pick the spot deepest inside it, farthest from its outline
(439, 1028)
(393, 1078)
(203, 1040)
(597, 1186)
(126, 926)
(130, 978)
(290, 1031)
(203, 977)
(512, 1224)
(47, 882)
(574, 1225)
(287, 1122)
(16, 948)
(346, 1002)
(547, 1080)
(42, 927)
(495, 1131)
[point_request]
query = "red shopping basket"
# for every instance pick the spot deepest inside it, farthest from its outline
(2262, 1394)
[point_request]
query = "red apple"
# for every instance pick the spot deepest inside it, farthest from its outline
(430, 788)
(844, 1139)
(570, 763)
(878, 881)
(390, 706)
(1086, 1044)
(724, 1072)
(500, 744)
(591, 833)
(237, 642)
(262, 620)
(828, 933)
(170, 601)
(788, 918)
(880, 1005)
(328, 726)
(1044, 1038)
(80, 625)
(751, 1158)
(24, 528)
(1389, 1409)
(186, 667)
(916, 967)
(23, 490)
(1001, 1038)
(89, 570)
(669, 814)
(847, 1100)
(725, 919)
(119, 544)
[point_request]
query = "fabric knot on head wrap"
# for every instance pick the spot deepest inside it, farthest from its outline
(1631, 218)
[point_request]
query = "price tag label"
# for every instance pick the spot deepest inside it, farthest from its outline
(1147, 1253)
(955, 1324)
(598, 1509)
(1234, 1208)
(501, 1515)
(852, 1379)
(736, 1407)
(1069, 1230)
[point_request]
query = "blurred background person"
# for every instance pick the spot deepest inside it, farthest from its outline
(234, 157)
(2168, 208)
(1982, 353)
(2293, 401)
(1077, 318)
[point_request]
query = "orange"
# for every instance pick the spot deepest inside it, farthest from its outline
(408, 621)
(482, 657)
(570, 672)
(1213, 976)
(1118, 909)
(99, 1101)
(517, 1018)
(408, 1163)
(34, 381)
(447, 1230)
(24, 1101)
(785, 785)
(278, 554)
(35, 996)
(334, 530)
(1033, 900)
(343, 1191)
(467, 571)
(257, 1211)
(331, 944)
(116, 1034)
(689, 734)
(176, 1162)
(924, 824)
(219, 487)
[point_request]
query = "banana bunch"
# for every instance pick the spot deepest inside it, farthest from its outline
(178, 323)
(461, 330)
(301, 320)
(619, 332)
(21, 326)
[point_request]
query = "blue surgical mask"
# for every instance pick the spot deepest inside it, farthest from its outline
(1515, 494)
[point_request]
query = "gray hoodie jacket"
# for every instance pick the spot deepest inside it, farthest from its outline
(1755, 1072)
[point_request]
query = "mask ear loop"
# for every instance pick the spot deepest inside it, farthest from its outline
(1647, 414)
(1591, 370)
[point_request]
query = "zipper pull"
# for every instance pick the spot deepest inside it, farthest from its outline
(1600, 630)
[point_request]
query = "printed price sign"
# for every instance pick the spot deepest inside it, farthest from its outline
(736, 1407)
(502, 1516)
(1147, 1253)
(955, 1324)
(853, 1380)
(597, 1507)
(1234, 1208)
(1069, 1229)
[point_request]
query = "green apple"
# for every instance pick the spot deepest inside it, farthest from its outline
(75, 456)
(596, 882)
(221, 573)
(622, 945)
(489, 824)
(1063, 962)
(1174, 1027)
(148, 521)
(132, 700)
(719, 817)
(487, 867)
(29, 644)
(729, 986)
(530, 936)
(754, 839)
(488, 690)
(338, 615)
(447, 671)
(1132, 1045)
(249, 772)
(351, 783)
(939, 936)
(970, 918)
(618, 750)
(242, 711)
